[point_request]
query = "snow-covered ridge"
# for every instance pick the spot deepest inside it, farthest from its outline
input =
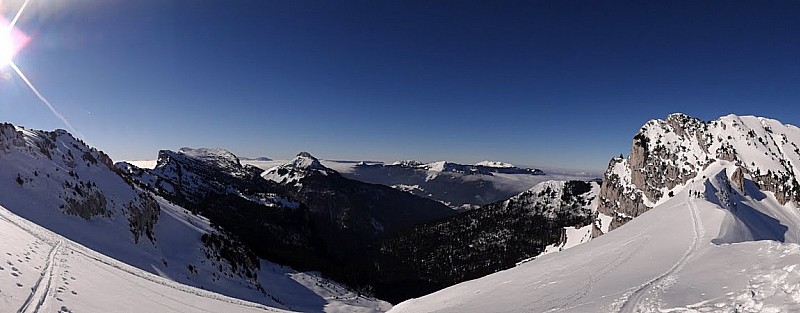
(209, 154)
(480, 168)
(494, 164)
(303, 165)
(666, 154)
(58, 182)
(191, 174)
(717, 231)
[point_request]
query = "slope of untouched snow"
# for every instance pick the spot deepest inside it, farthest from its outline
(663, 261)
(44, 272)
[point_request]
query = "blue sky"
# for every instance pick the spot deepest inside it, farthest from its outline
(548, 83)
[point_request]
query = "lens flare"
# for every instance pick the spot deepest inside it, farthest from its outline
(6, 49)
(44, 100)
(11, 41)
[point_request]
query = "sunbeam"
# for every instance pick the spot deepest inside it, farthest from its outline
(8, 60)
(16, 17)
(44, 100)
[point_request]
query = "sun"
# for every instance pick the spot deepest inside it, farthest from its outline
(7, 49)
(11, 40)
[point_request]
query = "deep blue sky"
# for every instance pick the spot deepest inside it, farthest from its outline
(549, 83)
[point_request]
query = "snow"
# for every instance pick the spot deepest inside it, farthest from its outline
(296, 169)
(175, 249)
(148, 164)
(494, 164)
(42, 271)
(576, 235)
(665, 260)
(265, 165)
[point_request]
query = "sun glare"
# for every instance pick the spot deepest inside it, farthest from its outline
(6, 49)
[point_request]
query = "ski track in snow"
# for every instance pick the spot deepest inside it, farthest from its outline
(635, 298)
(49, 271)
(46, 273)
(40, 293)
(614, 264)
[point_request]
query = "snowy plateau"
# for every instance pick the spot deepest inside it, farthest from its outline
(701, 216)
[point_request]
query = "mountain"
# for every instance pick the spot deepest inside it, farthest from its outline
(668, 153)
(551, 216)
(350, 213)
(481, 168)
(300, 213)
(705, 220)
(58, 182)
(43, 271)
(459, 186)
(262, 159)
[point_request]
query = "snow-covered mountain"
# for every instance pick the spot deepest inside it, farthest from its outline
(668, 153)
(56, 181)
(551, 216)
(480, 168)
(299, 213)
(711, 225)
(459, 186)
(352, 208)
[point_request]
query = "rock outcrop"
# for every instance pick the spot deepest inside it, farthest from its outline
(665, 154)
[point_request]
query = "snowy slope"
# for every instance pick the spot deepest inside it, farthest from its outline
(667, 260)
(44, 272)
(712, 226)
(668, 153)
(57, 182)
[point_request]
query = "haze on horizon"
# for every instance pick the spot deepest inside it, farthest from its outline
(541, 83)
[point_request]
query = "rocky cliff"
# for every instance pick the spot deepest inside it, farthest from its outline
(666, 154)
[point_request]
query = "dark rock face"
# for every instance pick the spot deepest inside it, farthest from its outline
(143, 216)
(668, 153)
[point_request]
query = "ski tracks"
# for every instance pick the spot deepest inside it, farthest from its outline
(41, 289)
(569, 303)
(632, 302)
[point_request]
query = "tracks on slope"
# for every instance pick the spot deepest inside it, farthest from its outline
(635, 298)
(38, 292)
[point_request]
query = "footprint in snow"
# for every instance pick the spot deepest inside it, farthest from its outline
(19, 285)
